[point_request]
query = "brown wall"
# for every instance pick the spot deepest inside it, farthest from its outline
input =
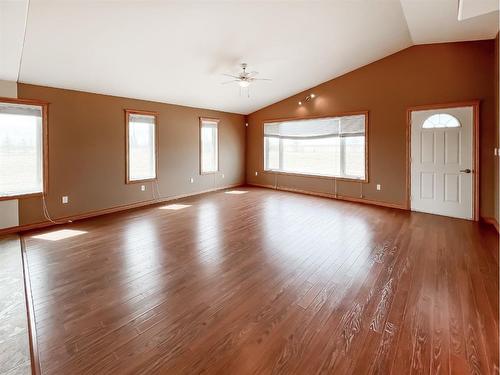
(497, 135)
(87, 152)
(419, 75)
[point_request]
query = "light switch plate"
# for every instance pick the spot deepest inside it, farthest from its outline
(378, 187)
(65, 199)
(143, 188)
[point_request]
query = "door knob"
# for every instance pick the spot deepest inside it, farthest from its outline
(466, 170)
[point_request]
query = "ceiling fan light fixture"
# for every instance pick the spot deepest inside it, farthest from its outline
(243, 83)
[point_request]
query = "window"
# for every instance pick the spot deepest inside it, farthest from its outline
(441, 120)
(141, 146)
(334, 146)
(22, 147)
(209, 145)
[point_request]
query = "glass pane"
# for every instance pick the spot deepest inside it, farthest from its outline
(312, 156)
(142, 164)
(209, 158)
(272, 153)
(21, 160)
(354, 156)
(441, 120)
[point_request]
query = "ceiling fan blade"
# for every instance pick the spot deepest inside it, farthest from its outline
(225, 83)
(253, 73)
(230, 75)
(262, 79)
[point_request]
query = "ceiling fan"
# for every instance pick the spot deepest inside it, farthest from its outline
(244, 78)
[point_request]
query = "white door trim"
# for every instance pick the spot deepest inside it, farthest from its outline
(475, 149)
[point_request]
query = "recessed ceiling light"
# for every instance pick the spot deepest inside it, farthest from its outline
(59, 234)
(174, 206)
(313, 96)
(300, 103)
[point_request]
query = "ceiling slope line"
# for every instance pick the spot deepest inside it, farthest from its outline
(406, 21)
(24, 39)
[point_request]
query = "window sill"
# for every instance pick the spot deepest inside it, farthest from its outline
(20, 196)
(205, 173)
(365, 180)
(141, 181)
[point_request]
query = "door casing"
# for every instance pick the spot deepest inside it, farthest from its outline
(475, 149)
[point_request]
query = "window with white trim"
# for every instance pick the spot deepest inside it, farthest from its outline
(141, 146)
(333, 146)
(21, 149)
(209, 145)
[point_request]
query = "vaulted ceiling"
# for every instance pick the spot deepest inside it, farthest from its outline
(177, 51)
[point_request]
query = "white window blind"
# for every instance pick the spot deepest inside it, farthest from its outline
(21, 149)
(141, 147)
(209, 146)
(332, 146)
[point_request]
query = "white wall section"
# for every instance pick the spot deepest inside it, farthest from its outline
(9, 214)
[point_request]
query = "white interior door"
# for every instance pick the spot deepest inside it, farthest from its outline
(442, 161)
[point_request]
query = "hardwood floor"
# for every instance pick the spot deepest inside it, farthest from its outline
(266, 282)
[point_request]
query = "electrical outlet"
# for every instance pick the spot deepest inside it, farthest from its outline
(65, 199)
(191, 180)
(256, 173)
(378, 187)
(223, 175)
(143, 187)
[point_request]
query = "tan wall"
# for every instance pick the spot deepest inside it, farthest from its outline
(8, 89)
(419, 75)
(87, 152)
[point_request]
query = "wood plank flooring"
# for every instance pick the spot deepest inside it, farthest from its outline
(267, 282)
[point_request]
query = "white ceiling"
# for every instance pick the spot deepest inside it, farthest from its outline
(474, 8)
(176, 51)
(12, 26)
(434, 21)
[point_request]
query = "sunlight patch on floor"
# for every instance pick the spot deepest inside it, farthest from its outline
(174, 207)
(59, 234)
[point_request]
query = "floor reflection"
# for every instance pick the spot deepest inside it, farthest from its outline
(59, 234)
(209, 233)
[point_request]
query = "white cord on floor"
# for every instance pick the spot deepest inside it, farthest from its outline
(157, 185)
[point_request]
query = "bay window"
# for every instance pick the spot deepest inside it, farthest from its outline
(333, 146)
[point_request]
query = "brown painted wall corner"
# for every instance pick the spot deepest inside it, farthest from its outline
(419, 75)
(87, 152)
(497, 132)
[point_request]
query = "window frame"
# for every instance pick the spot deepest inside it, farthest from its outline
(311, 175)
(200, 151)
(129, 112)
(45, 145)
